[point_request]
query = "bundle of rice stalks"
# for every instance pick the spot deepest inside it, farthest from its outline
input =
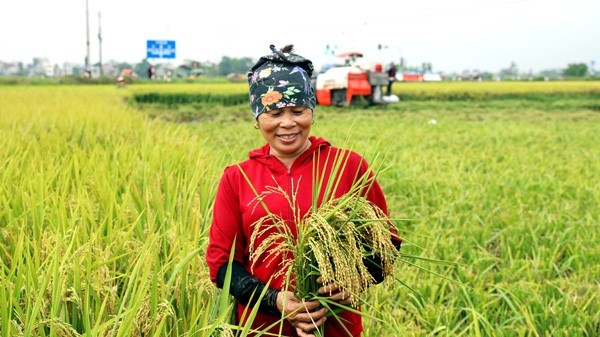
(341, 235)
(333, 242)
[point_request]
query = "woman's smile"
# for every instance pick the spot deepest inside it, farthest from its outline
(289, 136)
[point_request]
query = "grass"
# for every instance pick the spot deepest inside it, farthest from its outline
(104, 210)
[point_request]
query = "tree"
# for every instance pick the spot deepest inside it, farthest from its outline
(141, 68)
(230, 65)
(576, 70)
(511, 72)
(426, 67)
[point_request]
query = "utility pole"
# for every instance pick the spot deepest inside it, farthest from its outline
(87, 29)
(100, 43)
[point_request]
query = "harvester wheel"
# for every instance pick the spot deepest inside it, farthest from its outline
(338, 97)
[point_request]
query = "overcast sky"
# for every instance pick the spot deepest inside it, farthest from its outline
(486, 35)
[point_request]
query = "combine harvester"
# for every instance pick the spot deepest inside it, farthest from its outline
(353, 81)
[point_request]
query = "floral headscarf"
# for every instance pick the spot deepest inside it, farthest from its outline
(280, 79)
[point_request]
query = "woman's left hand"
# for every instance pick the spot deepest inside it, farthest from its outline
(334, 292)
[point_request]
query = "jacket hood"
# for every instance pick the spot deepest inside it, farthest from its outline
(263, 153)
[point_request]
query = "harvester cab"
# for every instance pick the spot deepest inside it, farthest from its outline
(352, 80)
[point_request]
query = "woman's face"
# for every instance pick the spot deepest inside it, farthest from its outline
(286, 130)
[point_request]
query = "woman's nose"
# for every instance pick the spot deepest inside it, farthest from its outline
(288, 120)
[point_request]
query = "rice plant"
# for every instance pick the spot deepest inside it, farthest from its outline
(103, 211)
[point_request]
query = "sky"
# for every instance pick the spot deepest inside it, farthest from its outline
(457, 35)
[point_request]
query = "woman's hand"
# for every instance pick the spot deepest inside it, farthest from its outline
(305, 316)
(334, 292)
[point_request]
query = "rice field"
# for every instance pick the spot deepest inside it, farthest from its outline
(105, 206)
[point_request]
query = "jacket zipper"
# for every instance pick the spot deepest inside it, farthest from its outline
(289, 192)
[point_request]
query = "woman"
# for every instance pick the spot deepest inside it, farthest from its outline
(282, 102)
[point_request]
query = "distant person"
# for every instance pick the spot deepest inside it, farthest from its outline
(150, 72)
(121, 81)
(391, 78)
(86, 72)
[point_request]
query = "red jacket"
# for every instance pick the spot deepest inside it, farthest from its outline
(235, 210)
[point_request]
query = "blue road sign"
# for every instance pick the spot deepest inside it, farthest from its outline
(164, 49)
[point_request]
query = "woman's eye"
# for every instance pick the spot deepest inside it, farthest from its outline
(274, 112)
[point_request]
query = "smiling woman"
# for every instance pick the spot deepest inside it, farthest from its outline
(308, 172)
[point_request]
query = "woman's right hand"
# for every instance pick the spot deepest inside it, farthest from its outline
(305, 316)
